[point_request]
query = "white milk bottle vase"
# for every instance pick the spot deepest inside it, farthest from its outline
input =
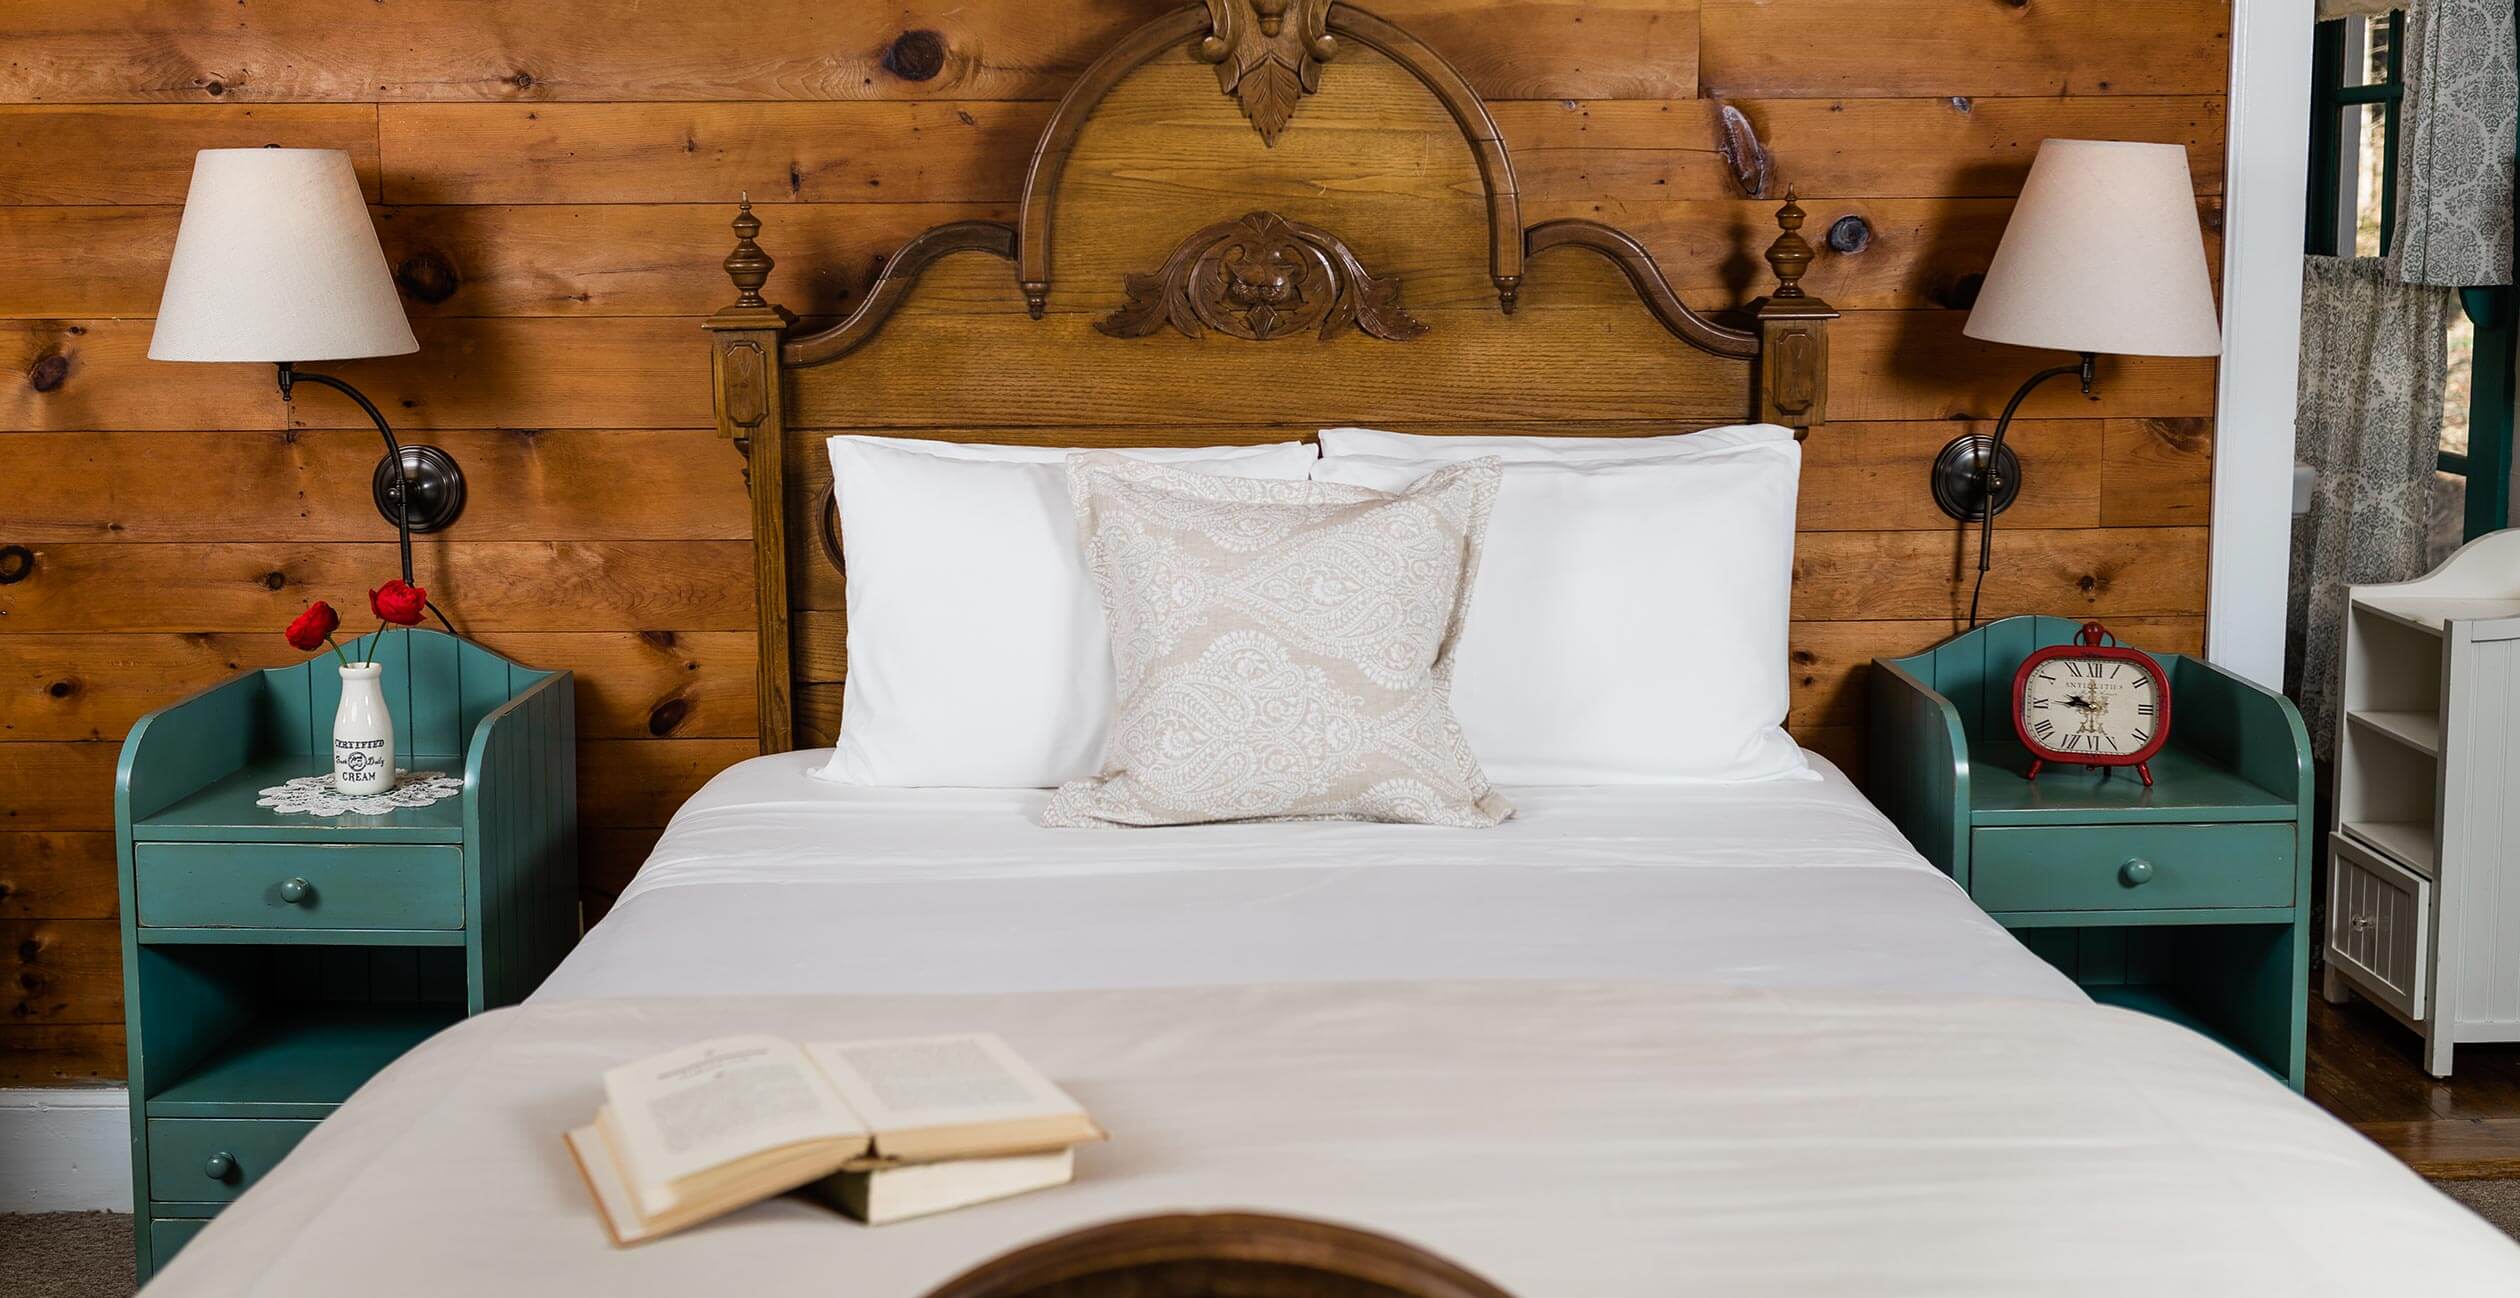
(363, 732)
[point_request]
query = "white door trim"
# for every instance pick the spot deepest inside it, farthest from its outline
(2266, 173)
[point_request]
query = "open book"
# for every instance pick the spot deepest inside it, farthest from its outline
(693, 1133)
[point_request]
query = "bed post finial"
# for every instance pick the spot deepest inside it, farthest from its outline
(1791, 254)
(1793, 383)
(748, 265)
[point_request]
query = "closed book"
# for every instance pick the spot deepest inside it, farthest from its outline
(902, 1191)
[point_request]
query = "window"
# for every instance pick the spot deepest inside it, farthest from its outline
(2355, 95)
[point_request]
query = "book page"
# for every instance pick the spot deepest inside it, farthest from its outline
(689, 1110)
(904, 1083)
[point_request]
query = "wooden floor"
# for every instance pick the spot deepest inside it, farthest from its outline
(2365, 1069)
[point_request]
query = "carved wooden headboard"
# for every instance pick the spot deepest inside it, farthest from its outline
(1248, 220)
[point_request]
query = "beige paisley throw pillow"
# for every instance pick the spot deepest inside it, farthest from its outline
(1283, 649)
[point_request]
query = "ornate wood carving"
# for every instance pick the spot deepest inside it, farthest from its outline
(1190, 25)
(1268, 55)
(1262, 278)
(744, 382)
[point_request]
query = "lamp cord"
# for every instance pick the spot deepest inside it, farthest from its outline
(1989, 485)
(290, 376)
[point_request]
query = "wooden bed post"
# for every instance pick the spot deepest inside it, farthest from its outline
(1793, 383)
(744, 364)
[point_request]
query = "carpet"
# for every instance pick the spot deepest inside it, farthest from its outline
(66, 1254)
(2495, 1201)
(88, 1254)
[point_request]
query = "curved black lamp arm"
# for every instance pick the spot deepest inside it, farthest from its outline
(290, 376)
(2085, 370)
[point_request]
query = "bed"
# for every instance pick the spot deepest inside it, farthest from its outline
(1737, 1041)
(1731, 1039)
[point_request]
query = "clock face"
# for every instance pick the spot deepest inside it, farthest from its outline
(2090, 707)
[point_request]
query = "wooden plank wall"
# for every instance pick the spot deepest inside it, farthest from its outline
(552, 181)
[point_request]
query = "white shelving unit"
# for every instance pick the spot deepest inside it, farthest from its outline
(2423, 915)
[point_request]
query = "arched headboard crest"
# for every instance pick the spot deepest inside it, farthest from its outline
(1320, 268)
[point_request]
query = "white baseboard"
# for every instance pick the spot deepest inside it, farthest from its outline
(65, 1150)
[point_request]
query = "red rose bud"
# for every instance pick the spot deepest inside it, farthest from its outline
(399, 602)
(313, 627)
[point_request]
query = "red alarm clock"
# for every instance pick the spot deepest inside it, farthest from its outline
(2093, 702)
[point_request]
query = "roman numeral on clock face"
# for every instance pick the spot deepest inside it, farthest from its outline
(2043, 728)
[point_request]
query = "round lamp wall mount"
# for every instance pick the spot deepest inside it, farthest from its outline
(1962, 476)
(428, 479)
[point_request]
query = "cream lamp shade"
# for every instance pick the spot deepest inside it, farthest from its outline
(277, 261)
(2103, 254)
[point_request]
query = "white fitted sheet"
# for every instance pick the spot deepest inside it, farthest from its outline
(771, 880)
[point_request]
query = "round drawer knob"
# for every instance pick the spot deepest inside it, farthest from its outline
(2136, 872)
(219, 1166)
(296, 891)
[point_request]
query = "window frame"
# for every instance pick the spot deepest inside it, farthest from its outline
(2487, 465)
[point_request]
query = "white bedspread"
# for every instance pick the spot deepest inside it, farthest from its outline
(770, 880)
(1638, 1041)
(1562, 1138)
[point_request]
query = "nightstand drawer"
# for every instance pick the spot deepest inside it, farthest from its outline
(168, 1236)
(298, 885)
(212, 1160)
(2132, 867)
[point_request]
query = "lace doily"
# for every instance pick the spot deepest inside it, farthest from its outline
(314, 795)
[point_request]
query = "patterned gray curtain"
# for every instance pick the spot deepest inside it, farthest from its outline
(2455, 160)
(2373, 362)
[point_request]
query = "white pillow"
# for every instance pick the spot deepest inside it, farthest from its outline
(1632, 617)
(1515, 449)
(977, 653)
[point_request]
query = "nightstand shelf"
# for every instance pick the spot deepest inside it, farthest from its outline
(2187, 899)
(273, 962)
(299, 1063)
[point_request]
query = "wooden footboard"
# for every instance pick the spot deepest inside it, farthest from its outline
(1218, 1255)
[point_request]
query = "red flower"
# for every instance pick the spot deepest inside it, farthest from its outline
(313, 627)
(399, 602)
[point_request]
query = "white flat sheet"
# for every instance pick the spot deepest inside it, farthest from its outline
(771, 881)
(1566, 1139)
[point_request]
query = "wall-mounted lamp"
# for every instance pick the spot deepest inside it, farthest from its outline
(276, 261)
(2103, 255)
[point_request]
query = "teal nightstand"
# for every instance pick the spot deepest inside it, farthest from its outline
(2189, 900)
(272, 963)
